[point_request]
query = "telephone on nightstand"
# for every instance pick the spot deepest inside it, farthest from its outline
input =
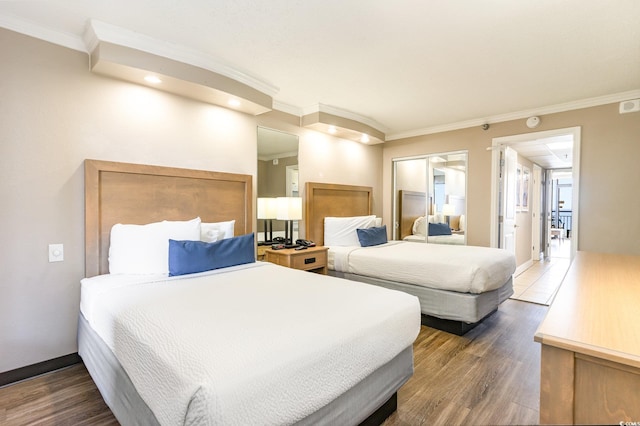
(305, 243)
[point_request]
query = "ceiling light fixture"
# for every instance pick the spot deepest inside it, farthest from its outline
(560, 145)
(129, 62)
(234, 103)
(153, 79)
(342, 124)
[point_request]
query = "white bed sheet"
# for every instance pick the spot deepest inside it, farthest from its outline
(253, 344)
(464, 269)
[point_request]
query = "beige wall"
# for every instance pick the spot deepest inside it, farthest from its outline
(609, 173)
(54, 113)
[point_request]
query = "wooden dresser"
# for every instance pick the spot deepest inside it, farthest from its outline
(590, 338)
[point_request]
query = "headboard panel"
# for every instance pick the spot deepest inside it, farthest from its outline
(139, 194)
(413, 204)
(334, 200)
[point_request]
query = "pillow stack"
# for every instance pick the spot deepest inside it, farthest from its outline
(346, 231)
(177, 247)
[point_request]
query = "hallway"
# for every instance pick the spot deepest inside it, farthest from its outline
(539, 283)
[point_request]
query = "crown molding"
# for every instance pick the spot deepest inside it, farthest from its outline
(287, 108)
(121, 36)
(551, 109)
(344, 114)
(32, 29)
(96, 31)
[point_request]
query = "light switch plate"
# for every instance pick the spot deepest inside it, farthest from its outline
(56, 252)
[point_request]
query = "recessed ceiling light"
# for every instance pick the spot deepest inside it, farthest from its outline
(332, 130)
(234, 102)
(364, 138)
(152, 79)
(560, 145)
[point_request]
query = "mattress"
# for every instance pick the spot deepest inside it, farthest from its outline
(463, 269)
(246, 345)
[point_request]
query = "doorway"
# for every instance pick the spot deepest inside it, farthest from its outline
(554, 215)
(528, 142)
(559, 211)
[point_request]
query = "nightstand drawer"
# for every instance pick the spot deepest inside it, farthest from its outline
(311, 260)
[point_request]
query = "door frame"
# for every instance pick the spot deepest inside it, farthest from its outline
(537, 211)
(512, 141)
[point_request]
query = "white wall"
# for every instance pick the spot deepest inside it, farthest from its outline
(54, 113)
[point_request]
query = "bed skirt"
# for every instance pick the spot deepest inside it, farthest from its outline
(351, 408)
(447, 305)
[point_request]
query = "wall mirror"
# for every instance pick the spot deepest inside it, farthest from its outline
(430, 194)
(277, 177)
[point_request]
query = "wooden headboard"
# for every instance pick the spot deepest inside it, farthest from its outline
(139, 194)
(332, 200)
(412, 205)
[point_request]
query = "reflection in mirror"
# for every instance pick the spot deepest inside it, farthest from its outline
(277, 176)
(430, 198)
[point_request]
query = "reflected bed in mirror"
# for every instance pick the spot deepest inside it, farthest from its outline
(277, 177)
(430, 198)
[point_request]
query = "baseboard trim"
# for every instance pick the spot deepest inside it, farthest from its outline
(13, 376)
(520, 269)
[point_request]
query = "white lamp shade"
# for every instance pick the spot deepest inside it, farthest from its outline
(267, 208)
(448, 210)
(289, 208)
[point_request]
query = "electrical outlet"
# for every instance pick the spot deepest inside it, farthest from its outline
(56, 252)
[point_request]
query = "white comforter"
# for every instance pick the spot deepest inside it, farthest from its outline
(464, 269)
(255, 344)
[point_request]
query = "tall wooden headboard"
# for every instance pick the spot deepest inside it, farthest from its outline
(412, 205)
(139, 194)
(333, 200)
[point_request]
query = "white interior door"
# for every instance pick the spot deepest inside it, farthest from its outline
(508, 200)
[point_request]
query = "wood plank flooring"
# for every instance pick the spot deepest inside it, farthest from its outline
(490, 376)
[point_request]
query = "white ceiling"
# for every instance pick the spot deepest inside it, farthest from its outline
(410, 66)
(550, 153)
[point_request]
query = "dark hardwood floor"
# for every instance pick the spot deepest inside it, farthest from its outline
(490, 376)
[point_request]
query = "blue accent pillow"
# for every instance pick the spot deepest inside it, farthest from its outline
(439, 229)
(189, 257)
(372, 236)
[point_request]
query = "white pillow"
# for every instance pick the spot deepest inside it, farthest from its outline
(341, 231)
(420, 226)
(463, 223)
(215, 231)
(436, 218)
(144, 249)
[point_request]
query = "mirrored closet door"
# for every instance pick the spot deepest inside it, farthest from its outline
(430, 198)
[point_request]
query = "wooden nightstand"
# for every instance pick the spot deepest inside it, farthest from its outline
(260, 252)
(312, 259)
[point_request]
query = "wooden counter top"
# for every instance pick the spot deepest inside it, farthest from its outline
(596, 311)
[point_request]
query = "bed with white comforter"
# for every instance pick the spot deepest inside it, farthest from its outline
(249, 344)
(458, 286)
(464, 269)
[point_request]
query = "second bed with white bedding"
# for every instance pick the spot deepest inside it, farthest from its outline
(243, 344)
(463, 269)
